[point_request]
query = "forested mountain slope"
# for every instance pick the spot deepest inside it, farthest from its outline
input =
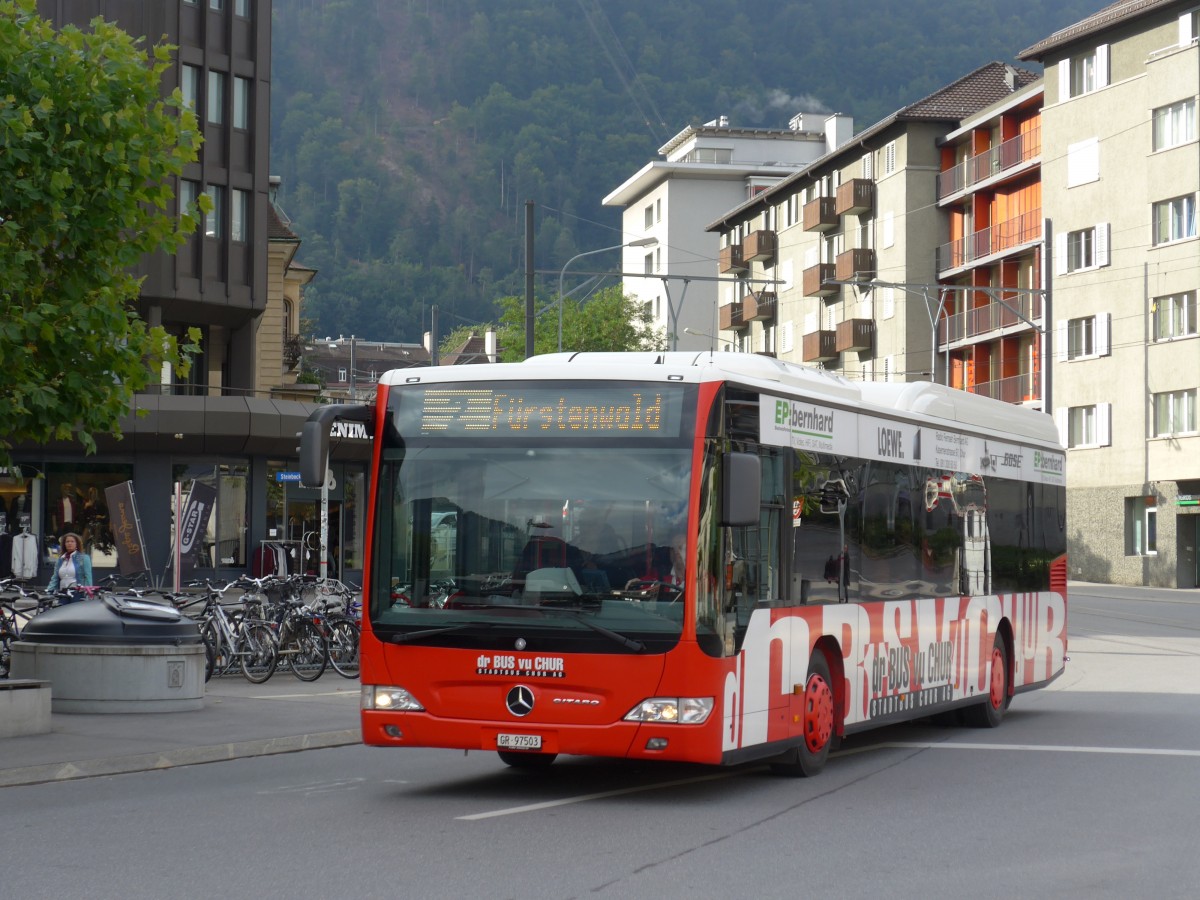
(410, 133)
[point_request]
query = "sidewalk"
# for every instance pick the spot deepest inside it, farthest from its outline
(239, 719)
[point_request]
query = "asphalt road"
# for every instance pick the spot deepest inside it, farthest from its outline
(1090, 788)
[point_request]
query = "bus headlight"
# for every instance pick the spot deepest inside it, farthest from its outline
(672, 710)
(382, 696)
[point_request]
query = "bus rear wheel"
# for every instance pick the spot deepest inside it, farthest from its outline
(990, 712)
(817, 724)
(519, 760)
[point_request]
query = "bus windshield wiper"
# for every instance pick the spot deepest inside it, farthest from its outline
(428, 632)
(630, 643)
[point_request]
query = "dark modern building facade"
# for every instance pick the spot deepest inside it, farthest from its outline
(231, 424)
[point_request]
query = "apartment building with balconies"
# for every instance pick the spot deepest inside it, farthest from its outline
(1120, 187)
(855, 235)
(991, 330)
(705, 170)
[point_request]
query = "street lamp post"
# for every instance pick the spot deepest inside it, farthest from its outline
(640, 242)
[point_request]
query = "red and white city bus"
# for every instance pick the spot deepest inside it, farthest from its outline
(852, 555)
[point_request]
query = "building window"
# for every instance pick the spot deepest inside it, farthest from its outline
(1085, 426)
(342, 375)
(1174, 124)
(242, 8)
(1174, 219)
(241, 102)
(216, 98)
(1174, 316)
(188, 191)
(189, 86)
(1141, 526)
(1084, 73)
(889, 158)
(212, 221)
(1084, 337)
(1081, 250)
(649, 263)
(1081, 426)
(216, 4)
(1081, 337)
(649, 216)
(239, 215)
(1077, 251)
(1175, 413)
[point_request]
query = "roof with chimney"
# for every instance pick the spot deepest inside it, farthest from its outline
(976, 90)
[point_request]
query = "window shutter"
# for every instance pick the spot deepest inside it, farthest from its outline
(811, 257)
(1060, 419)
(1185, 29)
(1064, 80)
(1104, 424)
(868, 166)
(785, 337)
(1102, 66)
(1102, 234)
(1060, 254)
(810, 323)
(784, 274)
(889, 229)
(1103, 332)
(1060, 340)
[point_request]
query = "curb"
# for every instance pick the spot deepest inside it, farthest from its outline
(170, 759)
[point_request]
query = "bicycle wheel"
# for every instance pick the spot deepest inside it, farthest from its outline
(343, 647)
(259, 653)
(304, 648)
(218, 657)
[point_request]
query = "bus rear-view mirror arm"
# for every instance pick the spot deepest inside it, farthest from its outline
(314, 438)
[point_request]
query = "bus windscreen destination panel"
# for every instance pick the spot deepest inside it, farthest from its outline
(525, 410)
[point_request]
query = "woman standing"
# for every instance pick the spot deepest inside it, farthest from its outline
(74, 567)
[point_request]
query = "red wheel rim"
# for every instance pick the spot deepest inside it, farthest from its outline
(818, 713)
(998, 678)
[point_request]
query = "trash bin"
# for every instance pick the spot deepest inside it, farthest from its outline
(116, 654)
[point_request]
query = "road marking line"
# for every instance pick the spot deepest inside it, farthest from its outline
(1047, 748)
(583, 798)
(887, 745)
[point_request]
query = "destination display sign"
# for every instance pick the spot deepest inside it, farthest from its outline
(524, 410)
(805, 425)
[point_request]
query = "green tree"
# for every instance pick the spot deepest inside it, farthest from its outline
(90, 146)
(607, 322)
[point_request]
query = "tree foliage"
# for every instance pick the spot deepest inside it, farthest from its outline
(607, 322)
(89, 148)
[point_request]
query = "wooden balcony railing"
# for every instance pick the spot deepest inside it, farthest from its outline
(814, 279)
(730, 317)
(759, 307)
(855, 196)
(821, 214)
(759, 246)
(731, 260)
(855, 334)
(855, 265)
(819, 346)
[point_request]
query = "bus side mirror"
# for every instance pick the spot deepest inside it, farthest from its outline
(314, 438)
(740, 485)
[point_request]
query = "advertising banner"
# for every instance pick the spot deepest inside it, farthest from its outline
(126, 528)
(194, 525)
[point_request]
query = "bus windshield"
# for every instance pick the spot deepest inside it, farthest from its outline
(482, 540)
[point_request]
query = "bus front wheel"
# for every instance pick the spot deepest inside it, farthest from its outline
(817, 724)
(519, 760)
